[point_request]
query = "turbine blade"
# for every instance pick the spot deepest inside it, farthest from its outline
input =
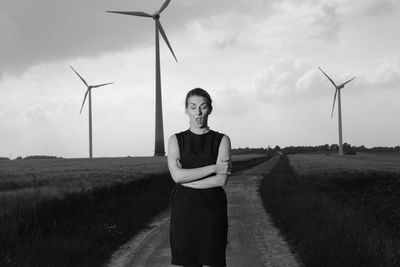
(328, 77)
(83, 80)
(164, 6)
(84, 99)
(132, 13)
(334, 100)
(165, 38)
(95, 86)
(343, 84)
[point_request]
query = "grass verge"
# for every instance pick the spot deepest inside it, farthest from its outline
(340, 220)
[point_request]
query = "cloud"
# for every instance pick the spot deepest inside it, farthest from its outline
(384, 75)
(226, 42)
(233, 101)
(37, 114)
(290, 80)
(380, 8)
(8, 31)
(326, 24)
(287, 80)
(44, 31)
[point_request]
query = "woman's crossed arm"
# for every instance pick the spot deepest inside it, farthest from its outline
(195, 177)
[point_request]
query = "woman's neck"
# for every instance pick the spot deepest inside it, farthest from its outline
(197, 130)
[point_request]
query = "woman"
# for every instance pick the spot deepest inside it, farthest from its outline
(199, 163)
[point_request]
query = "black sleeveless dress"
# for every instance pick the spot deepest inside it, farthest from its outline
(199, 225)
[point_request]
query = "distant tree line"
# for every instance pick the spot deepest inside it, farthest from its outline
(334, 148)
(38, 157)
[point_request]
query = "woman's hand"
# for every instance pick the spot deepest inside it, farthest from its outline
(223, 167)
(179, 164)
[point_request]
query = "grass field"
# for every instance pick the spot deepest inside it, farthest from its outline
(43, 179)
(337, 211)
(71, 175)
(75, 174)
(76, 212)
(321, 164)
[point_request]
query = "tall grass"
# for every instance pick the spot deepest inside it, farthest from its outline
(344, 219)
(71, 221)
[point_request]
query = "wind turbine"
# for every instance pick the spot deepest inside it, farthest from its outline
(159, 132)
(89, 92)
(337, 93)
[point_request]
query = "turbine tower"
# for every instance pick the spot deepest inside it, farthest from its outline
(337, 93)
(159, 132)
(89, 92)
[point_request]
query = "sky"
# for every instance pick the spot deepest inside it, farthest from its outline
(258, 60)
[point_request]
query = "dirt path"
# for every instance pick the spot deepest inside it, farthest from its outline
(253, 240)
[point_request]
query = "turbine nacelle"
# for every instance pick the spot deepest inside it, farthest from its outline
(343, 84)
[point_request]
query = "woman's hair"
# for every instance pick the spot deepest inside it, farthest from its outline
(199, 92)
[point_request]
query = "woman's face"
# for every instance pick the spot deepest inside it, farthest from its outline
(198, 110)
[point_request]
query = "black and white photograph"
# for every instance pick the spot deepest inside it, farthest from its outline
(199, 133)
